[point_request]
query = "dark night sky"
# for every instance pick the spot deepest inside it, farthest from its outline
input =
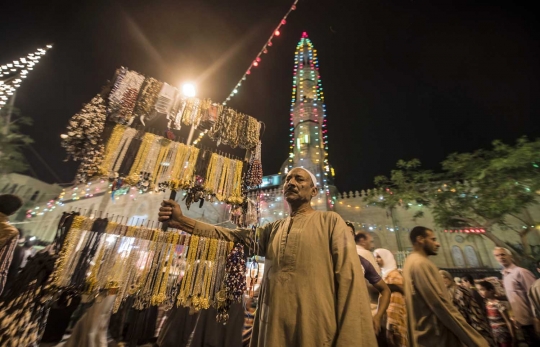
(402, 79)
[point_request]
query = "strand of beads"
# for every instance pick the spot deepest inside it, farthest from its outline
(140, 159)
(188, 274)
(234, 283)
(163, 150)
(236, 190)
(163, 275)
(111, 148)
(210, 268)
(198, 285)
(66, 251)
(116, 94)
(121, 149)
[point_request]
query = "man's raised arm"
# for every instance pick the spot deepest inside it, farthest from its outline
(171, 213)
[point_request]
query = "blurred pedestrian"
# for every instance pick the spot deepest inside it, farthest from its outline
(396, 314)
(473, 313)
(499, 320)
(534, 297)
(517, 281)
(9, 204)
(433, 319)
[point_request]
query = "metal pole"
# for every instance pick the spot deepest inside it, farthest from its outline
(10, 109)
(190, 137)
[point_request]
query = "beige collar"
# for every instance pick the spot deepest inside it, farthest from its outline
(3, 217)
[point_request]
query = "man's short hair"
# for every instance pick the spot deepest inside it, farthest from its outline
(469, 278)
(9, 204)
(486, 284)
(360, 236)
(506, 250)
(350, 225)
(418, 231)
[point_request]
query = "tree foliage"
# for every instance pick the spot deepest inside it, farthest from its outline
(479, 189)
(12, 141)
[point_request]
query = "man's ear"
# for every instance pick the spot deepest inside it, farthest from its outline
(314, 191)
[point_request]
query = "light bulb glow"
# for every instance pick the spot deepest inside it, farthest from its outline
(188, 89)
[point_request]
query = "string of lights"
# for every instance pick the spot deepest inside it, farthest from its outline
(264, 50)
(317, 90)
(12, 74)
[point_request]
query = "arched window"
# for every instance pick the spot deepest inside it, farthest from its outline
(457, 255)
(5, 188)
(471, 256)
(34, 196)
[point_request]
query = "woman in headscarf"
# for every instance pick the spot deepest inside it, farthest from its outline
(396, 322)
(468, 307)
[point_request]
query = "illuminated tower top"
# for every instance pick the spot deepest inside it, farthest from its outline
(309, 139)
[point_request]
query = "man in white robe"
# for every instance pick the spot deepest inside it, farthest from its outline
(313, 292)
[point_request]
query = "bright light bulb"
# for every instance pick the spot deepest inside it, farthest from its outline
(188, 89)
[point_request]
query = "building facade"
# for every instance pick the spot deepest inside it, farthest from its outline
(309, 149)
(32, 191)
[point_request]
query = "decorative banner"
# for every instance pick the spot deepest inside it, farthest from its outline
(11, 75)
(264, 50)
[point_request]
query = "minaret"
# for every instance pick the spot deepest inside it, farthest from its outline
(309, 139)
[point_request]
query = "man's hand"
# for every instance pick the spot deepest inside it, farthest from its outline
(171, 213)
(377, 324)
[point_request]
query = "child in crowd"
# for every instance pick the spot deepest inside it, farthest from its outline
(497, 313)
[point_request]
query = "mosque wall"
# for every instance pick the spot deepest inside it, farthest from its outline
(390, 230)
(460, 250)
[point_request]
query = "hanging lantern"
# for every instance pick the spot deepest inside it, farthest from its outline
(277, 33)
(283, 21)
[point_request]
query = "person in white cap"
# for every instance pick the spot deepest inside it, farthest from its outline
(313, 292)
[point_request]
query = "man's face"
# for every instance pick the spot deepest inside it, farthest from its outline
(429, 243)
(369, 243)
(482, 291)
(298, 186)
(465, 283)
(447, 282)
(502, 258)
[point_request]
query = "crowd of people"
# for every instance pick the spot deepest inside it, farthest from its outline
(312, 293)
(433, 307)
(325, 285)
